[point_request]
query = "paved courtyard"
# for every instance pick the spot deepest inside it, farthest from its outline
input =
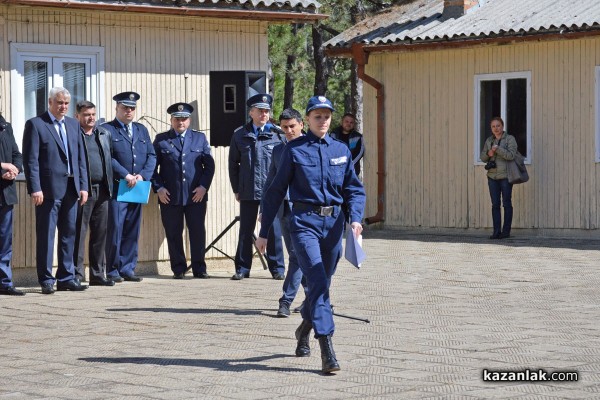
(442, 308)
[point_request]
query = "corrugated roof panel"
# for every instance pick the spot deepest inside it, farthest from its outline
(422, 20)
(297, 5)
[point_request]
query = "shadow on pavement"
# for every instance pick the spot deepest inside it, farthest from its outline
(240, 365)
(520, 239)
(191, 310)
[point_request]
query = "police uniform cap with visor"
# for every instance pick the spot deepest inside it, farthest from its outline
(261, 100)
(319, 102)
(127, 98)
(180, 110)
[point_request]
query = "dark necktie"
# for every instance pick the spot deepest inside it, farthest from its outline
(63, 138)
(181, 139)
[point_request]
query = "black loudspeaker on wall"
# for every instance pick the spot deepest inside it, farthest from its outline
(229, 91)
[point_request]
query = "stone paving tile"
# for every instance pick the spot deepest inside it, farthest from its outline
(440, 311)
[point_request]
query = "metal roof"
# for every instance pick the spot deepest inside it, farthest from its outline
(193, 7)
(421, 21)
(257, 4)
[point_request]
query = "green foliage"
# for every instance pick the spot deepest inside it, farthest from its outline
(283, 42)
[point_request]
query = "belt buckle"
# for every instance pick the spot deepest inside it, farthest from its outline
(326, 211)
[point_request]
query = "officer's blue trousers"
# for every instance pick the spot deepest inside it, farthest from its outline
(318, 245)
(6, 230)
(124, 220)
(245, 249)
(294, 274)
(172, 219)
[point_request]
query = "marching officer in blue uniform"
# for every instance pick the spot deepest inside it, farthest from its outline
(182, 177)
(319, 173)
(249, 161)
(133, 159)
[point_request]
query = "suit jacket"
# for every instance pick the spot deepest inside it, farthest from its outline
(45, 159)
(105, 148)
(131, 156)
(9, 153)
(181, 170)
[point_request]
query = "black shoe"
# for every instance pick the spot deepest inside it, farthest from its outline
(101, 282)
(70, 285)
(238, 276)
(299, 308)
(303, 337)
(504, 235)
(115, 279)
(47, 288)
(179, 275)
(284, 310)
(11, 291)
(328, 359)
(133, 278)
(202, 275)
(278, 277)
(495, 236)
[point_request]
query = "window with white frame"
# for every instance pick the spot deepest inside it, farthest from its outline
(507, 96)
(36, 68)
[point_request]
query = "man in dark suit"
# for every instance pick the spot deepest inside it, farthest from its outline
(133, 159)
(56, 175)
(11, 164)
(183, 173)
(94, 213)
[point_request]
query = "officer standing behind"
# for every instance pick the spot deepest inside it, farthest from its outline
(56, 175)
(94, 213)
(183, 173)
(290, 122)
(249, 161)
(320, 176)
(11, 164)
(133, 159)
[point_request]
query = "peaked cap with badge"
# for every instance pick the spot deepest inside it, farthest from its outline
(128, 99)
(318, 102)
(180, 110)
(261, 100)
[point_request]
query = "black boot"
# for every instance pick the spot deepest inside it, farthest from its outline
(330, 363)
(303, 336)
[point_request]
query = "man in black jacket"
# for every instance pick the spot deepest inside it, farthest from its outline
(94, 213)
(11, 164)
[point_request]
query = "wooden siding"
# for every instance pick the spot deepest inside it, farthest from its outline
(150, 55)
(432, 180)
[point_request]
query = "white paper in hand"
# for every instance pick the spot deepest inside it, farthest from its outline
(354, 252)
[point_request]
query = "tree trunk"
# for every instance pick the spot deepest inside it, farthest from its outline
(321, 63)
(288, 88)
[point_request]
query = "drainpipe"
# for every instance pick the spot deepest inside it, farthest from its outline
(361, 58)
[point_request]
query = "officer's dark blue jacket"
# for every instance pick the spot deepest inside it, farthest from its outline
(9, 153)
(249, 160)
(317, 171)
(131, 158)
(181, 170)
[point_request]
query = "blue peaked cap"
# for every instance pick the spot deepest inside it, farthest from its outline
(318, 102)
